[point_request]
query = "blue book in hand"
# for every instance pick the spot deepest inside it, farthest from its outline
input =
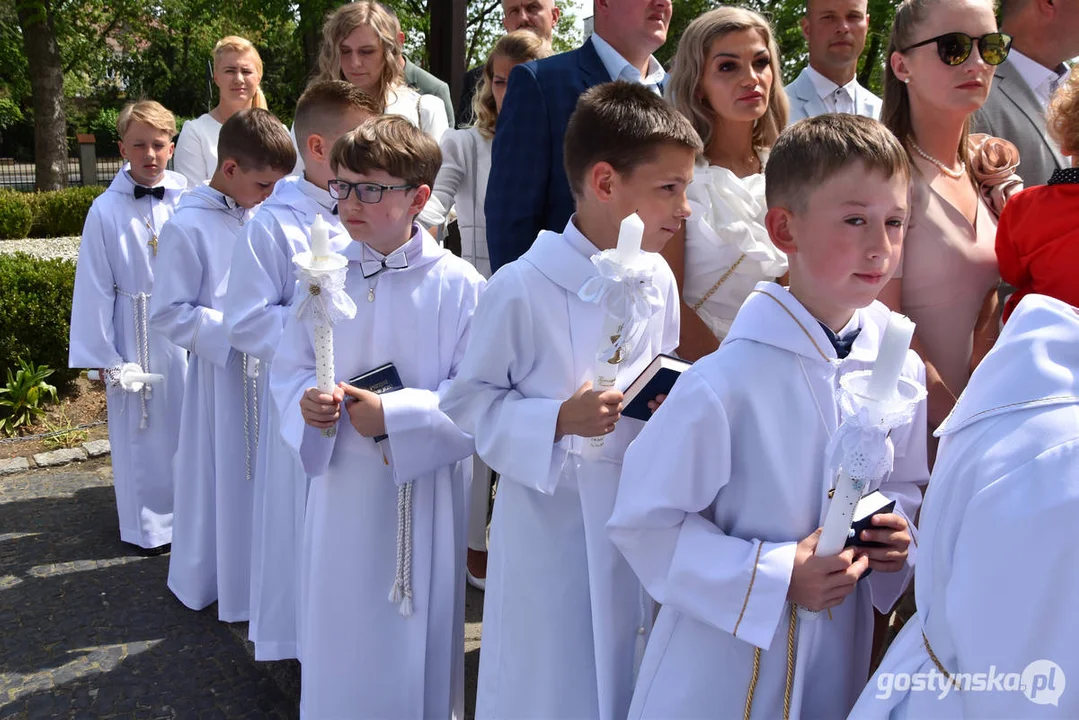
(383, 379)
(656, 379)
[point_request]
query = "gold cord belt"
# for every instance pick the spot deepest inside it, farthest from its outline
(937, 662)
(719, 283)
(791, 630)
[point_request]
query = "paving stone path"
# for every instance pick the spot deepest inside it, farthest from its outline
(88, 628)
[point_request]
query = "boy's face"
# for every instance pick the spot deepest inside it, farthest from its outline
(384, 225)
(248, 187)
(844, 246)
(656, 191)
(148, 150)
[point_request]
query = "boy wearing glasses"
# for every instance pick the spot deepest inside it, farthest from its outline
(381, 599)
(261, 285)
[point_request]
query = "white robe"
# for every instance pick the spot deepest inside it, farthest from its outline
(717, 491)
(109, 319)
(563, 614)
(261, 285)
(361, 657)
(996, 581)
(211, 549)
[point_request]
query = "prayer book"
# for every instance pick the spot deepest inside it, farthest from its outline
(656, 379)
(872, 504)
(383, 379)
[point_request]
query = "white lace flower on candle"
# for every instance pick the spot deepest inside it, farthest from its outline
(626, 294)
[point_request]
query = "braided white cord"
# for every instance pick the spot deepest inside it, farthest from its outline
(141, 303)
(251, 412)
(401, 593)
(396, 589)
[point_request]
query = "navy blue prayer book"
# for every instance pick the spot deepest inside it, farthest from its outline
(872, 504)
(383, 379)
(656, 379)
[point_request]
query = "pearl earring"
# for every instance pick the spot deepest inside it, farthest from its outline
(906, 81)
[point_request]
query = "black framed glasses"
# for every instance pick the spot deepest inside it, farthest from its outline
(954, 47)
(367, 192)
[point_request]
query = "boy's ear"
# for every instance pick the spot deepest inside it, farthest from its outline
(778, 221)
(316, 147)
(601, 180)
(172, 149)
(229, 168)
(123, 152)
(423, 194)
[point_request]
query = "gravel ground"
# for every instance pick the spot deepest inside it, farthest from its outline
(66, 247)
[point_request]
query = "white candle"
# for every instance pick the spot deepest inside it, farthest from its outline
(320, 238)
(630, 234)
(890, 358)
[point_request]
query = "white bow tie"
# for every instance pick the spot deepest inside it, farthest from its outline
(396, 261)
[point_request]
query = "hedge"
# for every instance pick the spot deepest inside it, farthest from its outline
(57, 213)
(35, 314)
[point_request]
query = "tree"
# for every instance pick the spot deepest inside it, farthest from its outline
(47, 86)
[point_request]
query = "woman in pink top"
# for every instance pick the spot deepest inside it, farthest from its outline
(941, 62)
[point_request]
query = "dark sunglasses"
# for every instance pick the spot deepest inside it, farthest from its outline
(954, 47)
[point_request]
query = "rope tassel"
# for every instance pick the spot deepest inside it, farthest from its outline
(401, 592)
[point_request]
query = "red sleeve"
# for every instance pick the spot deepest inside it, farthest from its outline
(1014, 269)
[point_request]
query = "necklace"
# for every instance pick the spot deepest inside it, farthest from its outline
(152, 242)
(953, 174)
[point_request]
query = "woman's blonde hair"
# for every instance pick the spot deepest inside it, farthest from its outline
(895, 110)
(518, 47)
(691, 63)
(341, 23)
(237, 44)
(1062, 118)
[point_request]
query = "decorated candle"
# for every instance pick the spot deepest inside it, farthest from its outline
(630, 234)
(320, 238)
(890, 358)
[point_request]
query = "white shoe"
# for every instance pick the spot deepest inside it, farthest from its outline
(478, 583)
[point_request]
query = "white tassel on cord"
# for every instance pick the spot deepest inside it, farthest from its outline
(401, 592)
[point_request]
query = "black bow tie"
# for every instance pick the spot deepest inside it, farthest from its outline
(142, 191)
(843, 344)
(395, 261)
(334, 211)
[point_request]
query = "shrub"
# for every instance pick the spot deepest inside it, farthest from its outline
(35, 314)
(16, 215)
(23, 399)
(61, 213)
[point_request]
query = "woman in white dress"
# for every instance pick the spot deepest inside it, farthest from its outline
(462, 185)
(237, 74)
(359, 44)
(727, 80)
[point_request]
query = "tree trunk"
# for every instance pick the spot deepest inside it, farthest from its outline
(47, 88)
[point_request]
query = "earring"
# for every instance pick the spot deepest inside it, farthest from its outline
(906, 81)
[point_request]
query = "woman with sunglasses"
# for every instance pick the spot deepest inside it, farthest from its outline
(942, 55)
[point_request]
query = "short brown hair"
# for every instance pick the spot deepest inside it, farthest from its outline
(322, 104)
(1062, 118)
(392, 144)
(814, 150)
(256, 140)
(148, 112)
(519, 46)
(622, 124)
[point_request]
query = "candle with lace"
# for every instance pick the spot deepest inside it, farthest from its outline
(322, 273)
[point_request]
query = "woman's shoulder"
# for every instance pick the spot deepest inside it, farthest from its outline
(203, 123)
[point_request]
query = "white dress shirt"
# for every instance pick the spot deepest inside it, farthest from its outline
(1042, 80)
(621, 69)
(837, 98)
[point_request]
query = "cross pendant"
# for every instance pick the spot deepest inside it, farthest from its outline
(153, 244)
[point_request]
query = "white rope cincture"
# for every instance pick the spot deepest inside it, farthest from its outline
(401, 592)
(250, 369)
(141, 302)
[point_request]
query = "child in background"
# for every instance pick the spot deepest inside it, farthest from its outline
(216, 453)
(114, 282)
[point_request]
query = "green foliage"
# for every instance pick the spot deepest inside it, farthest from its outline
(23, 399)
(63, 433)
(35, 312)
(103, 125)
(62, 213)
(16, 215)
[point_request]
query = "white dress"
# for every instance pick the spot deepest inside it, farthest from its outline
(215, 458)
(260, 290)
(717, 491)
(114, 282)
(997, 563)
(427, 112)
(196, 149)
(728, 250)
(564, 618)
(361, 657)
(462, 185)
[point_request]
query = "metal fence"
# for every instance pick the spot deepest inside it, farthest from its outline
(21, 176)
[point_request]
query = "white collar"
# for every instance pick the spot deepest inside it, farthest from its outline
(621, 69)
(1037, 76)
(319, 195)
(577, 240)
(826, 87)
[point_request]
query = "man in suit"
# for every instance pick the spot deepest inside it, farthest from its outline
(835, 31)
(527, 190)
(539, 16)
(1044, 33)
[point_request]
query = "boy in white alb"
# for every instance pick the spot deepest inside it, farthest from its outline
(382, 593)
(211, 556)
(994, 633)
(261, 285)
(723, 492)
(564, 617)
(110, 322)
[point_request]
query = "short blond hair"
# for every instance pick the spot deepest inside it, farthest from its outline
(237, 44)
(813, 151)
(1062, 117)
(341, 23)
(519, 46)
(691, 63)
(392, 144)
(147, 112)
